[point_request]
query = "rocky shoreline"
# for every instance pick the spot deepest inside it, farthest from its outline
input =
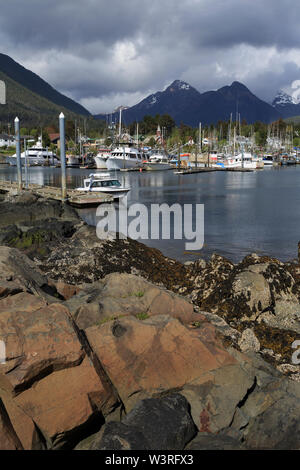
(111, 345)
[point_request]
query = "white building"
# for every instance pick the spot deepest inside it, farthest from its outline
(7, 141)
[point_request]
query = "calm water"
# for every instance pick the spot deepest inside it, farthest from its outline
(244, 212)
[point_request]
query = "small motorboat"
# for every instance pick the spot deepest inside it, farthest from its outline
(104, 183)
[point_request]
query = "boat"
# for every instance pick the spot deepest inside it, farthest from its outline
(242, 160)
(104, 183)
(101, 158)
(268, 160)
(35, 155)
(123, 157)
(72, 161)
(158, 161)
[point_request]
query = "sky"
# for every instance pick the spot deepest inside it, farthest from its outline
(107, 53)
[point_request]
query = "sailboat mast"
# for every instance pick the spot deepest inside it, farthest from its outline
(120, 122)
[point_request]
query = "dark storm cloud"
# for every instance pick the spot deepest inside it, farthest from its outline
(225, 23)
(102, 52)
(62, 24)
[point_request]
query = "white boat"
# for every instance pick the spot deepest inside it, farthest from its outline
(104, 183)
(72, 161)
(35, 155)
(158, 161)
(101, 158)
(123, 157)
(245, 160)
(268, 160)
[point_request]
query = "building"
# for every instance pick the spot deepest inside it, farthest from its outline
(7, 140)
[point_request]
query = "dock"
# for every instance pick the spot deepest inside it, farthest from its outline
(191, 171)
(139, 168)
(73, 197)
(188, 171)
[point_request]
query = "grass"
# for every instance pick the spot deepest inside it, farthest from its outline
(142, 316)
(108, 319)
(139, 294)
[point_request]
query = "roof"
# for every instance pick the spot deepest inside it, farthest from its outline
(55, 136)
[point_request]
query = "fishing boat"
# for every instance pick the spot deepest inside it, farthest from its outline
(104, 183)
(242, 160)
(124, 157)
(158, 161)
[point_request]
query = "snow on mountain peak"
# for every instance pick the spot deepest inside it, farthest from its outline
(282, 98)
(288, 95)
(183, 85)
(180, 85)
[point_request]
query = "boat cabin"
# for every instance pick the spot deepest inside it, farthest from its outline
(101, 181)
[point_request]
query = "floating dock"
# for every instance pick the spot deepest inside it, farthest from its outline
(73, 197)
(191, 171)
(140, 168)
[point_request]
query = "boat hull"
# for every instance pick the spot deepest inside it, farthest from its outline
(116, 193)
(101, 163)
(122, 163)
(158, 166)
(32, 161)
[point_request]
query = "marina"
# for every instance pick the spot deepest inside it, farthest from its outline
(245, 211)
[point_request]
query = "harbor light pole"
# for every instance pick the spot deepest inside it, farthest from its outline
(18, 152)
(62, 156)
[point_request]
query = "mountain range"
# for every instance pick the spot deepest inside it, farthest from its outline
(36, 102)
(186, 104)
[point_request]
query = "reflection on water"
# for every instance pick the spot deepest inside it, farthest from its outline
(244, 212)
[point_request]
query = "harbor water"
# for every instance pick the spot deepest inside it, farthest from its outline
(243, 212)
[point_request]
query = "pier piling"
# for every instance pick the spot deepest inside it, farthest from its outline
(63, 156)
(18, 152)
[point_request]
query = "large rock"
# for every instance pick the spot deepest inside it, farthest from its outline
(154, 423)
(29, 207)
(52, 390)
(125, 294)
(8, 437)
(64, 404)
(270, 417)
(245, 291)
(39, 339)
(143, 358)
(84, 258)
(27, 431)
(285, 315)
(19, 274)
(214, 402)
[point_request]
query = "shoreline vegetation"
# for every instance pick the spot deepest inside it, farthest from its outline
(111, 345)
